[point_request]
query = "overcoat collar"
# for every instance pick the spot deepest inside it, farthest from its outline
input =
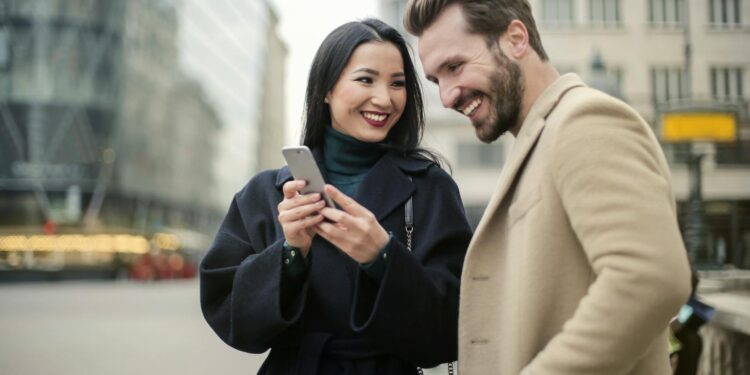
(385, 187)
(527, 137)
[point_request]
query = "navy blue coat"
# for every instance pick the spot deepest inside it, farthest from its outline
(340, 321)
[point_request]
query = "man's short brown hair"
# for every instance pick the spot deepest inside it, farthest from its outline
(485, 17)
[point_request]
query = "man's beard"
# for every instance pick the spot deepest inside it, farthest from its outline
(506, 95)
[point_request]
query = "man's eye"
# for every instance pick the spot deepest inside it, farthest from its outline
(453, 67)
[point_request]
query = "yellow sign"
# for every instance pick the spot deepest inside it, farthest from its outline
(698, 126)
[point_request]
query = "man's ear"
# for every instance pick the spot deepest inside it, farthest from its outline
(516, 39)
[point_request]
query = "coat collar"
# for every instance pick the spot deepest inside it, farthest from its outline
(527, 137)
(384, 188)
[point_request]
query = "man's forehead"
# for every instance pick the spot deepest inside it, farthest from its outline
(444, 34)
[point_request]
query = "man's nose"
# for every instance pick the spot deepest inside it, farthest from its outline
(449, 94)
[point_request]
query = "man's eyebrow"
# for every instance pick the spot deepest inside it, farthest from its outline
(448, 61)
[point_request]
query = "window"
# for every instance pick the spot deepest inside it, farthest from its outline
(480, 155)
(604, 12)
(667, 84)
(4, 48)
(726, 83)
(733, 153)
(607, 79)
(558, 12)
(617, 75)
(665, 12)
(724, 13)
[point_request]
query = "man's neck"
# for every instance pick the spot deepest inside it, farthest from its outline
(538, 75)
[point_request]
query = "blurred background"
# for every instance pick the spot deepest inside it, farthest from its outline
(126, 126)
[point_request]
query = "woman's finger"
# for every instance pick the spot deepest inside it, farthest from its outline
(291, 188)
(337, 216)
(300, 212)
(345, 202)
(334, 231)
(305, 223)
(298, 200)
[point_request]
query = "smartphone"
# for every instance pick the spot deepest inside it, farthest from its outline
(302, 164)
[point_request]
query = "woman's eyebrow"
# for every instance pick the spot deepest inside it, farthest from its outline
(376, 73)
(367, 70)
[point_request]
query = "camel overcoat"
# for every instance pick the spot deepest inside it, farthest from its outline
(577, 265)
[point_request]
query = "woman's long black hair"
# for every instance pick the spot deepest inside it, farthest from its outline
(331, 59)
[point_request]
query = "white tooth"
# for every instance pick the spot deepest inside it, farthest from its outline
(471, 107)
(374, 117)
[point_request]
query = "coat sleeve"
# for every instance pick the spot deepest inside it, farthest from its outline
(413, 311)
(241, 279)
(614, 185)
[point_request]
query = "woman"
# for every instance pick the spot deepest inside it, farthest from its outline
(337, 290)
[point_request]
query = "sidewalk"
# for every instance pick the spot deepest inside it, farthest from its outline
(111, 328)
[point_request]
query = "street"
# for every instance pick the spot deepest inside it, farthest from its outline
(111, 328)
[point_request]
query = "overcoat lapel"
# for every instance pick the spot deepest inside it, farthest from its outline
(385, 188)
(527, 137)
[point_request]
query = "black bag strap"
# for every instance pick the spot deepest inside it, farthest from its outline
(409, 219)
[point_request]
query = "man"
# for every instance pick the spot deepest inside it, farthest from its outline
(578, 264)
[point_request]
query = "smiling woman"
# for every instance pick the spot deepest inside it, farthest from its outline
(339, 290)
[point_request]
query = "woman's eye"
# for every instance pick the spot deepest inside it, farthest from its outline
(367, 80)
(399, 83)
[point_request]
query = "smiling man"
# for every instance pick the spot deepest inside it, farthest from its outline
(578, 264)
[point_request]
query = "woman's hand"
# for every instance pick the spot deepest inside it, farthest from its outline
(298, 215)
(355, 230)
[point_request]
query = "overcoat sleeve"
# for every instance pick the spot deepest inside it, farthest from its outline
(615, 188)
(241, 275)
(413, 311)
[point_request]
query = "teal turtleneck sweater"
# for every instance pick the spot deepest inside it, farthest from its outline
(347, 160)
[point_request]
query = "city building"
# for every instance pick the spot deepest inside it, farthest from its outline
(127, 125)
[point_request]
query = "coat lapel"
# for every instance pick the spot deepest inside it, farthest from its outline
(385, 187)
(530, 131)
